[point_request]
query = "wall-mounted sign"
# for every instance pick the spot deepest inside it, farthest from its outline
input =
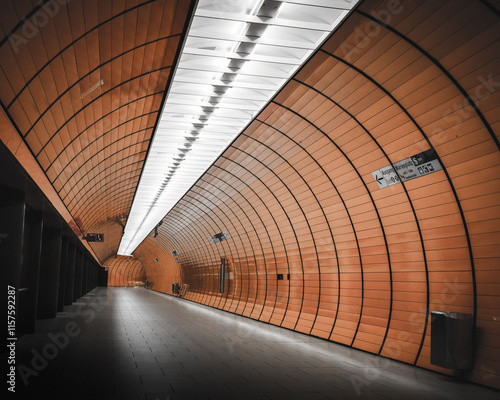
(410, 168)
(219, 237)
(94, 237)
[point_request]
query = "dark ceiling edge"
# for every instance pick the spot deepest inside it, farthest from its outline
(493, 8)
(23, 20)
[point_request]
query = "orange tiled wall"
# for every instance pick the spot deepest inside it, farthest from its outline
(124, 271)
(297, 196)
(162, 268)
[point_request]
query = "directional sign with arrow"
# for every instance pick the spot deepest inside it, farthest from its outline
(386, 176)
(410, 168)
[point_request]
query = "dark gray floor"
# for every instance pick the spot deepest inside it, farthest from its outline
(133, 343)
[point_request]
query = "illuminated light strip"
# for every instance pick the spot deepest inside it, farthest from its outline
(237, 55)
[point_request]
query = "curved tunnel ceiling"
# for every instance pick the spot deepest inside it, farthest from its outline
(299, 193)
(236, 55)
(124, 271)
(83, 83)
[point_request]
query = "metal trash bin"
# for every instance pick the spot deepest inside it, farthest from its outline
(452, 343)
(175, 288)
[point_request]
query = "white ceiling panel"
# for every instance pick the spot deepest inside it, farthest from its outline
(237, 55)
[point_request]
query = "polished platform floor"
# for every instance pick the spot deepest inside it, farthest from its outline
(133, 343)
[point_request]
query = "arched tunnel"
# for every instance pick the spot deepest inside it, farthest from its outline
(363, 196)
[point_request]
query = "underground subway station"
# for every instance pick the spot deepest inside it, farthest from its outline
(250, 199)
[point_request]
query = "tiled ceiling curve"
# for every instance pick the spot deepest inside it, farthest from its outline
(83, 83)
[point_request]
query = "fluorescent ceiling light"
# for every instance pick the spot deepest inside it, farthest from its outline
(237, 55)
